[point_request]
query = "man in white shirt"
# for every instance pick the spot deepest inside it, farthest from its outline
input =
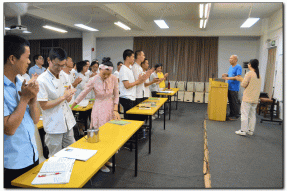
(137, 70)
(89, 71)
(72, 76)
(147, 83)
(58, 119)
(127, 83)
(117, 72)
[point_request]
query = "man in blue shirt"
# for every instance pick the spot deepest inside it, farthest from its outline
(233, 87)
(21, 111)
(38, 68)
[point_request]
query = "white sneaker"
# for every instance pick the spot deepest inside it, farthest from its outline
(161, 112)
(239, 132)
(153, 117)
(249, 132)
(105, 169)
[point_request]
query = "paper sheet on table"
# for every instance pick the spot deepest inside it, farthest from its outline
(165, 92)
(84, 103)
(76, 153)
(119, 122)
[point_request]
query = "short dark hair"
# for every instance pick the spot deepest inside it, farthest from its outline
(36, 58)
(127, 53)
(107, 61)
(94, 62)
(14, 45)
(80, 65)
(86, 61)
(57, 53)
(120, 62)
(157, 65)
(138, 52)
(144, 61)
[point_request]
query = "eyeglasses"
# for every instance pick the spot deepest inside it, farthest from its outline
(59, 66)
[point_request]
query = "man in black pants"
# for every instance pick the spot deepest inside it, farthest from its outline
(21, 111)
(127, 84)
(233, 87)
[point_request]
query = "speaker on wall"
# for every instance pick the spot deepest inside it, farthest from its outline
(245, 64)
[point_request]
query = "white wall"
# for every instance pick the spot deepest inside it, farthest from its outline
(113, 48)
(273, 30)
(245, 48)
(89, 42)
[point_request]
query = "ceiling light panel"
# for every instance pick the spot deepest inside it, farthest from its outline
(206, 10)
(249, 22)
(86, 27)
(55, 29)
(120, 24)
(161, 24)
(201, 10)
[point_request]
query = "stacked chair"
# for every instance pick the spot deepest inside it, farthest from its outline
(199, 92)
(181, 86)
(172, 85)
(188, 95)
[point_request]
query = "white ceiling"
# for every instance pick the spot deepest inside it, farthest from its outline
(139, 16)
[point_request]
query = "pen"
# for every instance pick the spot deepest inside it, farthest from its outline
(44, 175)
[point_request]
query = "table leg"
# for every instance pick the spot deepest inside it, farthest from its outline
(114, 163)
(176, 99)
(169, 98)
(164, 116)
(136, 155)
(150, 124)
(86, 120)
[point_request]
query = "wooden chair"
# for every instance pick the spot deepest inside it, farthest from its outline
(266, 102)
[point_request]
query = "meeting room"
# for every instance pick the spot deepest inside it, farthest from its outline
(143, 95)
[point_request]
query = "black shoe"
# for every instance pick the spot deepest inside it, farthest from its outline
(232, 118)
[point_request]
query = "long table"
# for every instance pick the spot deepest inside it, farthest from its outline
(169, 95)
(112, 138)
(150, 113)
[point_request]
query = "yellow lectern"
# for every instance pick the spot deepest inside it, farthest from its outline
(217, 99)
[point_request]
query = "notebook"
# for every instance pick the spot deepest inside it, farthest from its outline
(119, 122)
(76, 153)
(153, 98)
(55, 171)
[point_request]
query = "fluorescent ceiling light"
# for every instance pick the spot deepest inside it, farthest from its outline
(205, 21)
(122, 25)
(54, 29)
(26, 32)
(201, 10)
(249, 22)
(206, 10)
(7, 28)
(86, 27)
(161, 24)
(201, 23)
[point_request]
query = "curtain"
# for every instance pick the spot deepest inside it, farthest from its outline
(270, 69)
(34, 50)
(184, 58)
(73, 47)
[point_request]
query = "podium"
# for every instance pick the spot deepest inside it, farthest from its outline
(217, 99)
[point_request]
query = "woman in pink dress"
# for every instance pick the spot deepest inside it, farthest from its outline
(105, 108)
